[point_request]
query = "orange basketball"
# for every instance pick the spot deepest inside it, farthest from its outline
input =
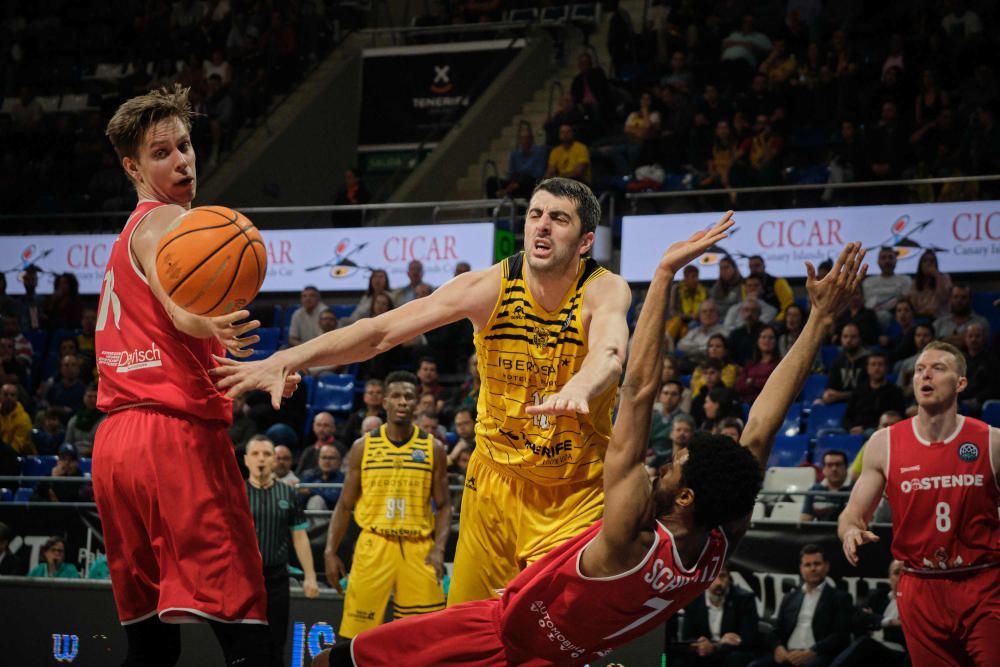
(212, 261)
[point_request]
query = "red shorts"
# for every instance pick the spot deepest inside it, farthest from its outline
(466, 634)
(951, 619)
(177, 527)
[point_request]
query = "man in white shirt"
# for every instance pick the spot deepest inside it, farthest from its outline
(721, 625)
(814, 622)
(696, 339)
(305, 321)
(883, 291)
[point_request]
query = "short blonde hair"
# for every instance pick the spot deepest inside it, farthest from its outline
(960, 366)
(132, 120)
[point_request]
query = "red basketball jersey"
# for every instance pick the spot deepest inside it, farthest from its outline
(553, 614)
(943, 497)
(142, 358)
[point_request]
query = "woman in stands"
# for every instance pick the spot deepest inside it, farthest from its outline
(716, 348)
(931, 288)
(378, 283)
(727, 290)
(721, 405)
(765, 359)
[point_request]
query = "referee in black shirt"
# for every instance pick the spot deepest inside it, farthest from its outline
(276, 513)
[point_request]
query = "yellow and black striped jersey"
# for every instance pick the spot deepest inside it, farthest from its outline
(525, 353)
(396, 483)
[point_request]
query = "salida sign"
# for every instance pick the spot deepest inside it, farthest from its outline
(965, 236)
(333, 260)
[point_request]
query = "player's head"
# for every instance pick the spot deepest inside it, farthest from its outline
(151, 135)
(813, 565)
(260, 457)
(939, 376)
(400, 397)
(713, 480)
(560, 226)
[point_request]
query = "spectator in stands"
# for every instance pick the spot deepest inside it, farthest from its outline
(458, 464)
(670, 372)
(525, 167)
(353, 192)
(980, 148)
(54, 563)
(221, 110)
(328, 471)
(591, 91)
(63, 308)
(14, 369)
(774, 291)
(922, 335)
(30, 312)
(848, 370)
(83, 425)
(721, 404)
(681, 431)
(884, 290)
(372, 399)
(733, 427)
(887, 144)
(85, 341)
(218, 66)
(324, 429)
(11, 564)
(680, 77)
(795, 318)
(721, 625)
(696, 340)
(710, 371)
(951, 327)
(642, 126)
(765, 359)
(566, 113)
(305, 320)
(742, 51)
(900, 327)
(327, 322)
(858, 314)
(716, 348)
(848, 161)
(883, 643)
(685, 299)
(822, 507)
(872, 398)
(727, 290)
(427, 373)
(667, 407)
(763, 151)
(50, 432)
(982, 371)
(885, 420)
(64, 392)
(283, 461)
(814, 621)
(378, 283)
(931, 288)
(15, 424)
(242, 427)
(724, 154)
(67, 465)
(780, 64)
(570, 158)
(464, 426)
(429, 422)
(415, 273)
(7, 304)
(99, 568)
(747, 326)
(467, 394)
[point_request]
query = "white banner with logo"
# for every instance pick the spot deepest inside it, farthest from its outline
(334, 260)
(965, 236)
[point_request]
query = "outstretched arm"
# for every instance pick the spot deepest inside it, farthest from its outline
(626, 485)
(826, 297)
(852, 525)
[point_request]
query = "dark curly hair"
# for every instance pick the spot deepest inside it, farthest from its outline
(724, 476)
(402, 376)
(587, 206)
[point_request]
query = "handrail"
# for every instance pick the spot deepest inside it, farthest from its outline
(444, 29)
(635, 196)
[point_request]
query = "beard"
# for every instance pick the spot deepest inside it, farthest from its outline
(557, 263)
(663, 500)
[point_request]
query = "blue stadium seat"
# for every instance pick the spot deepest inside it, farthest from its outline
(343, 310)
(813, 388)
(828, 353)
(86, 463)
(826, 417)
(285, 321)
(746, 412)
(451, 438)
(991, 412)
(982, 303)
(38, 466)
(277, 319)
(6, 495)
(849, 444)
(793, 420)
(268, 338)
(309, 384)
(789, 451)
(23, 495)
(337, 379)
(333, 397)
(685, 380)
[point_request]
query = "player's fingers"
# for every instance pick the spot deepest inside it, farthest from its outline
(240, 352)
(276, 397)
(235, 316)
(870, 536)
(225, 367)
(241, 329)
(247, 340)
(810, 272)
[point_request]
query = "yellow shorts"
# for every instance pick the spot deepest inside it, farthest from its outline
(507, 523)
(384, 565)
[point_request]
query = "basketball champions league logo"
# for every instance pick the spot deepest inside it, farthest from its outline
(902, 239)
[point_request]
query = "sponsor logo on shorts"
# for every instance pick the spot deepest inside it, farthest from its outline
(554, 634)
(940, 482)
(362, 615)
(470, 483)
(132, 360)
(968, 452)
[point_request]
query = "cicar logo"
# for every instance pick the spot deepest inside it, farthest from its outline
(901, 238)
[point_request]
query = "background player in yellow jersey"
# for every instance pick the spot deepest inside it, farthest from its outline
(393, 474)
(551, 337)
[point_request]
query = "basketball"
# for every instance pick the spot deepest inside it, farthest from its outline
(212, 261)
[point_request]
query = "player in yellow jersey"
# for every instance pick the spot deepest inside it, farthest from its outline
(551, 337)
(393, 474)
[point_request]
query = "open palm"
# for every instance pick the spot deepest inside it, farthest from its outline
(681, 253)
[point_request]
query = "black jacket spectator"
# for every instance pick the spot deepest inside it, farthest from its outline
(831, 624)
(739, 615)
(867, 404)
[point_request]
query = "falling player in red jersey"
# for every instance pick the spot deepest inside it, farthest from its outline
(939, 471)
(655, 549)
(177, 527)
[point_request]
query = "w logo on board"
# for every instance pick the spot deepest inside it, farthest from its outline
(65, 647)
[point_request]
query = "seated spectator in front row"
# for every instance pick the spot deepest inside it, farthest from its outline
(885, 645)
(328, 472)
(848, 370)
(11, 564)
(305, 320)
(814, 622)
(67, 465)
(696, 340)
(15, 424)
(721, 624)
(570, 158)
(820, 507)
(872, 397)
(54, 565)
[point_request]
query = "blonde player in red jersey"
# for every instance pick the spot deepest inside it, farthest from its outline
(940, 472)
(177, 527)
(656, 549)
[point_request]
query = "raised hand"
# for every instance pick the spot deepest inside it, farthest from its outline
(829, 296)
(681, 253)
